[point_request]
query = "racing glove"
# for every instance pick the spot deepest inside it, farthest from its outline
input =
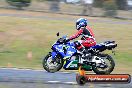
(67, 40)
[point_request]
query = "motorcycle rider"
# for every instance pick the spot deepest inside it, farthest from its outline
(87, 39)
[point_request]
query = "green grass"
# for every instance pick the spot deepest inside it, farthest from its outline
(18, 36)
(24, 36)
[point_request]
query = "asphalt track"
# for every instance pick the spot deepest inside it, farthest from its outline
(27, 78)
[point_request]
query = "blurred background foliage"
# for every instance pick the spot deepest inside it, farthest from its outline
(107, 8)
(121, 4)
(19, 3)
(110, 8)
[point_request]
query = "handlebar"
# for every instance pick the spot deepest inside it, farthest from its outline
(63, 39)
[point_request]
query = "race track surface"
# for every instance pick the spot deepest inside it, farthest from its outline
(26, 78)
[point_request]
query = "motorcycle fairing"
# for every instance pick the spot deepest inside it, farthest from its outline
(70, 64)
(64, 50)
(53, 54)
(98, 46)
(105, 45)
(66, 64)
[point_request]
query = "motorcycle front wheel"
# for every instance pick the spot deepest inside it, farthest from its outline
(52, 66)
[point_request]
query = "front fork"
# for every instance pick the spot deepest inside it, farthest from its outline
(53, 54)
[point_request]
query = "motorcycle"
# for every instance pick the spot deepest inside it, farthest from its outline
(94, 59)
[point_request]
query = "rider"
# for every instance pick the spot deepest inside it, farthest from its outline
(87, 39)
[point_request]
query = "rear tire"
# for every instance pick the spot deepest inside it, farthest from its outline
(110, 69)
(47, 67)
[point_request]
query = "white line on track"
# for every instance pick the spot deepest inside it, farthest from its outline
(53, 81)
(69, 82)
(66, 72)
(73, 83)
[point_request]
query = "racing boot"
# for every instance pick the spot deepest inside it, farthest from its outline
(83, 51)
(82, 59)
(86, 56)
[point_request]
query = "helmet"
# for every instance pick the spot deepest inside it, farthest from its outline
(81, 23)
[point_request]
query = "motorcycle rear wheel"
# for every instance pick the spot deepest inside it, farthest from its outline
(111, 67)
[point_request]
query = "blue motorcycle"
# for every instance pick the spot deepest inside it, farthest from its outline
(94, 59)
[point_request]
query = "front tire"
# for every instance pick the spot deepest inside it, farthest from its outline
(52, 66)
(110, 68)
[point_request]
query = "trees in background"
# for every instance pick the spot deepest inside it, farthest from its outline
(121, 4)
(98, 3)
(19, 3)
(54, 6)
(110, 8)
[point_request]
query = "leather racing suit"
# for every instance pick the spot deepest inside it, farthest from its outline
(87, 39)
